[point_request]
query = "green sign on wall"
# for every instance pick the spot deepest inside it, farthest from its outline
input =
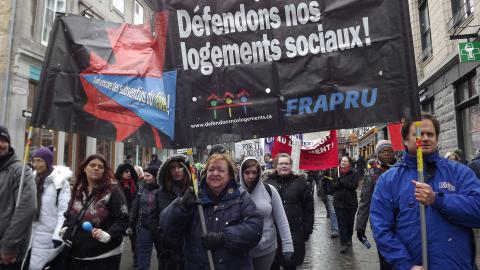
(469, 51)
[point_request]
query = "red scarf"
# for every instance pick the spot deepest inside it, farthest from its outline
(129, 184)
(344, 170)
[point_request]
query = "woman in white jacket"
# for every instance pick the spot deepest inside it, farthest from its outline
(53, 195)
(268, 201)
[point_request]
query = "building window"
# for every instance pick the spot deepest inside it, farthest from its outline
(138, 14)
(428, 106)
(468, 115)
(51, 7)
(88, 12)
(426, 37)
(105, 148)
(461, 9)
(33, 11)
(119, 5)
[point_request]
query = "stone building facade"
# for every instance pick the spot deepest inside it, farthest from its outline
(447, 88)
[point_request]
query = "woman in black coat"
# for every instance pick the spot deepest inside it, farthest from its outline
(345, 201)
(233, 222)
(297, 201)
(140, 216)
(174, 179)
(127, 180)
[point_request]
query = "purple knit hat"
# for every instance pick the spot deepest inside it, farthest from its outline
(45, 153)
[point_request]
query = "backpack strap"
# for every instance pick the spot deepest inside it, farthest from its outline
(268, 188)
(58, 194)
(70, 234)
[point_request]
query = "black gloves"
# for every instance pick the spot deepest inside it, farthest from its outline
(288, 258)
(188, 200)
(361, 235)
(363, 238)
(56, 243)
(213, 240)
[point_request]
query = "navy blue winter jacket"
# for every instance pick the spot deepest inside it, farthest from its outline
(143, 204)
(395, 214)
(235, 215)
(475, 165)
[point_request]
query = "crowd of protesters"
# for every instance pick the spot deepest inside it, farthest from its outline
(238, 215)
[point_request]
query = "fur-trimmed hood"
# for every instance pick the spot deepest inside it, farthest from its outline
(163, 172)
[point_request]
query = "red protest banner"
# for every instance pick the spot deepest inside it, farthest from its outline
(281, 144)
(395, 131)
(323, 154)
(319, 155)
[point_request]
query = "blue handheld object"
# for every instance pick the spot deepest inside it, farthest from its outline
(87, 226)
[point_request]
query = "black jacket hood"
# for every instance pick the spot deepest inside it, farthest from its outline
(162, 173)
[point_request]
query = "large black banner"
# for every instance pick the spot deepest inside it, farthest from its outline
(205, 72)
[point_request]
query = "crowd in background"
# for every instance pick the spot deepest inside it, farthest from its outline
(240, 215)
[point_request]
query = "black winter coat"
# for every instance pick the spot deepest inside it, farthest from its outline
(326, 183)
(298, 204)
(169, 250)
(475, 166)
(109, 214)
(236, 216)
(142, 206)
(370, 180)
(345, 190)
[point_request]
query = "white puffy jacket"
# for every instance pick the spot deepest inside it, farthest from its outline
(51, 218)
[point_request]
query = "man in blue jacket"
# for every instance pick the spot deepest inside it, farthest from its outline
(451, 195)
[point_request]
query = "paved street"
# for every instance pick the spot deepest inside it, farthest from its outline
(127, 257)
(322, 251)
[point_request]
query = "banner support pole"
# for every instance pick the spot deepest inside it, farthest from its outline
(26, 155)
(421, 179)
(193, 177)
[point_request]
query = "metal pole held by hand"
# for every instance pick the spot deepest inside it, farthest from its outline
(193, 176)
(26, 156)
(422, 207)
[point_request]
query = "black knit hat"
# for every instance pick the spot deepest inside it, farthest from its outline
(217, 149)
(153, 170)
(4, 134)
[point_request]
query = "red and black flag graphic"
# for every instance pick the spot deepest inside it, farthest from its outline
(107, 80)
